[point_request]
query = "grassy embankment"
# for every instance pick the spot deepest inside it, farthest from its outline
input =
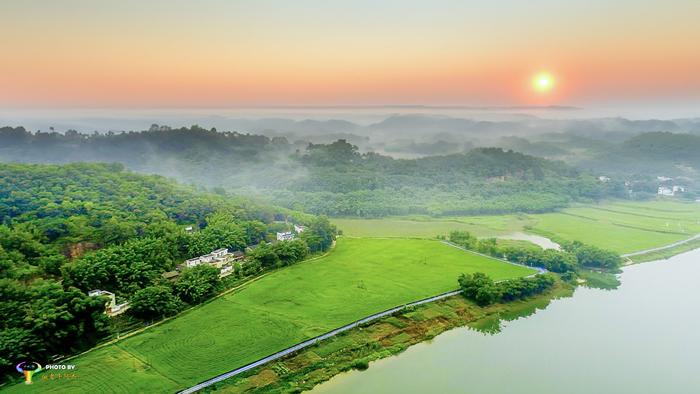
(360, 277)
(664, 254)
(384, 338)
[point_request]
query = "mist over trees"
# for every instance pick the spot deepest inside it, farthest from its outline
(331, 179)
(538, 165)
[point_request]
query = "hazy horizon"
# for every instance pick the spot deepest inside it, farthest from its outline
(105, 119)
(628, 54)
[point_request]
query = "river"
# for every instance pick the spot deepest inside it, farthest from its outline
(543, 242)
(643, 337)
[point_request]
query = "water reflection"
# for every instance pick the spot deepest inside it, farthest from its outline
(641, 338)
(495, 323)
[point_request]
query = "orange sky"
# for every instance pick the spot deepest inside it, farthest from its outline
(228, 53)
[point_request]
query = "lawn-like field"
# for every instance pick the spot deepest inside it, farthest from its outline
(358, 278)
(623, 227)
(427, 227)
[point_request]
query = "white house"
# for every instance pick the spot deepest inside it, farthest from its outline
(299, 229)
(670, 191)
(665, 191)
(226, 271)
(604, 178)
(285, 236)
(218, 258)
(663, 179)
(188, 229)
(118, 309)
(219, 253)
(99, 293)
(678, 189)
(111, 307)
(189, 263)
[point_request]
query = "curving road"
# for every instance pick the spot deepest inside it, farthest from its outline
(329, 334)
(540, 270)
(313, 341)
(673, 245)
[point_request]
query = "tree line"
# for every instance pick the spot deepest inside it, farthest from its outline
(574, 255)
(481, 289)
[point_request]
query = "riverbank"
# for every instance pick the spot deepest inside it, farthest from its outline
(663, 253)
(640, 338)
(355, 349)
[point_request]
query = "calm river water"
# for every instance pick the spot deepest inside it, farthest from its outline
(643, 337)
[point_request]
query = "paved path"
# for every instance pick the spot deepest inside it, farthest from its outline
(673, 245)
(315, 340)
(540, 270)
(330, 334)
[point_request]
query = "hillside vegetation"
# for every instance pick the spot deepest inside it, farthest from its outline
(333, 179)
(644, 157)
(70, 229)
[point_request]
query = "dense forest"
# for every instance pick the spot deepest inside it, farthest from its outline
(638, 159)
(191, 155)
(658, 153)
(67, 230)
(332, 179)
(344, 181)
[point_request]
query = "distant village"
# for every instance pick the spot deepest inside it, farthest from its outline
(222, 258)
(666, 188)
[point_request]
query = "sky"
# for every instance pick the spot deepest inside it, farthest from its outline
(170, 53)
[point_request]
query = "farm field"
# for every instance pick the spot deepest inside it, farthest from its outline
(427, 227)
(358, 278)
(622, 227)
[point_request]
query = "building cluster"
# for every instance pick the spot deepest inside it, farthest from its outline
(670, 190)
(289, 235)
(219, 258)
(666, 189)
(111, 306)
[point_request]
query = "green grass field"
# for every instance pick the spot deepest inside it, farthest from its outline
(426, 227)
(358, 278)
(623, 227)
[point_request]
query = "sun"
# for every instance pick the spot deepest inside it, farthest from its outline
(543, 82)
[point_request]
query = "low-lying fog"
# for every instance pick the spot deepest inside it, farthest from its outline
(401, 131)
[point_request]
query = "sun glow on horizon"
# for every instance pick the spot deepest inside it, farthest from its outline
(543, 82)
